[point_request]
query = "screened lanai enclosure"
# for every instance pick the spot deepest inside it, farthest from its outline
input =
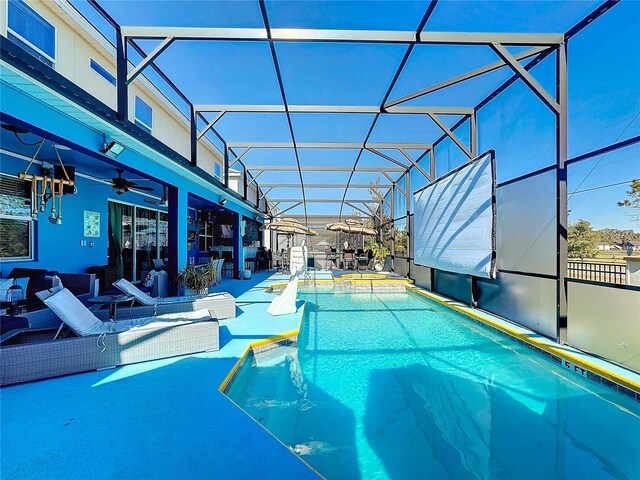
(480, 131)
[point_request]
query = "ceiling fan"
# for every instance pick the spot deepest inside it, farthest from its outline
(122, 185)
(162, 202)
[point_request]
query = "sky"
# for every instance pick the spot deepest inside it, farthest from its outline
(604, 87)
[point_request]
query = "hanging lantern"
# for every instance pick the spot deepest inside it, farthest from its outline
(15, 296)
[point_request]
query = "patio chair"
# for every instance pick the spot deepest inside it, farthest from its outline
(219, 264)
(331, 258)
(227, 264)
(349, 259)
(280, 261)
(221, 305)
(361, 258)
(28, 355)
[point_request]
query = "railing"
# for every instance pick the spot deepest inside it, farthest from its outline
(598, 272)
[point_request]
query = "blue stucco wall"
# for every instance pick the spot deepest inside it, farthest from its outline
(57, 247)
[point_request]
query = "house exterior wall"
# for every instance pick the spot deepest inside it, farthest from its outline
(38, 101)
(77, 42)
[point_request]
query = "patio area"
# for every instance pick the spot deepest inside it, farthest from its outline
(159, 419)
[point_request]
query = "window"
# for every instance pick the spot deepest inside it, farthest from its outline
(16, 225)
(31, 31)
(100, 70)
(205, 234)
(217, 169)
(144, 115)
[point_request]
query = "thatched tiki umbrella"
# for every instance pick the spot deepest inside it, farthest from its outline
(351, 226)
(289, 227)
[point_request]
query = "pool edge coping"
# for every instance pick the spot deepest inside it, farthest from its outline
(568, 354)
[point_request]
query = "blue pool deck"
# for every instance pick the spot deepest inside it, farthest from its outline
(160, 419)
(166, 418)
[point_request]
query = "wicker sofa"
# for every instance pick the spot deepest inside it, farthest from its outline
(33, 354)
(28, 355)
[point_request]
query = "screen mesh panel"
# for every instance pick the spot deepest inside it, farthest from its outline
(455, 220)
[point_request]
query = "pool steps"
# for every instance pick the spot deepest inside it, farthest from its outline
(262, 345)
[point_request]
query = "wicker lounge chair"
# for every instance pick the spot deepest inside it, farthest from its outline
(221, 305)
(28, 355)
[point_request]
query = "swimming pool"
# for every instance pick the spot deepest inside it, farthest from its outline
(393, 385)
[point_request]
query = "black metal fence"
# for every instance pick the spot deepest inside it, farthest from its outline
(597, 272)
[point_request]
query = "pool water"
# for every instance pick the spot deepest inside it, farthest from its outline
(398, 386)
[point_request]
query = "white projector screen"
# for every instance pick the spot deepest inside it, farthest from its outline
(454, 220)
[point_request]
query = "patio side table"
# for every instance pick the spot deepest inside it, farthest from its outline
(112, 301)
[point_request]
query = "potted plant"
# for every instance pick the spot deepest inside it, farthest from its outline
(379, 252)
(197, 280)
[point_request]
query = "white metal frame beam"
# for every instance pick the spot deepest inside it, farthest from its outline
(265, 192)
(321, 185)
(332, 145)
(380, 196)
(324, 168)
(297, 203)
(346, 202)
(428, 176)
(373, 109)
(387, 158)
(497, 41)
(526, 77)
(461, 78)
(357, 36)
(210, 126)
(149, 58)
(324, 200)
(255, 177)
(451, 135)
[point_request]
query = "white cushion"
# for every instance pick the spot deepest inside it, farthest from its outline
(72, 312)
(130, 289)
(6, 283)
(160, 321)
(148, 282)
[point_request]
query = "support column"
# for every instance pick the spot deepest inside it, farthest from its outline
(238, 251)
(393, 220)
(561, 190)
(245, 185)
(121, 76)
(226, 166)
(473, 134)
(194, 137)
(407, 187)
(177, 248)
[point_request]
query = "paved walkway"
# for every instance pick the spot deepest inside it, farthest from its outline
(160, 419)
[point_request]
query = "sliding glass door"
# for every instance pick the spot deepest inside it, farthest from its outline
(132, 255)
(146, 240)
